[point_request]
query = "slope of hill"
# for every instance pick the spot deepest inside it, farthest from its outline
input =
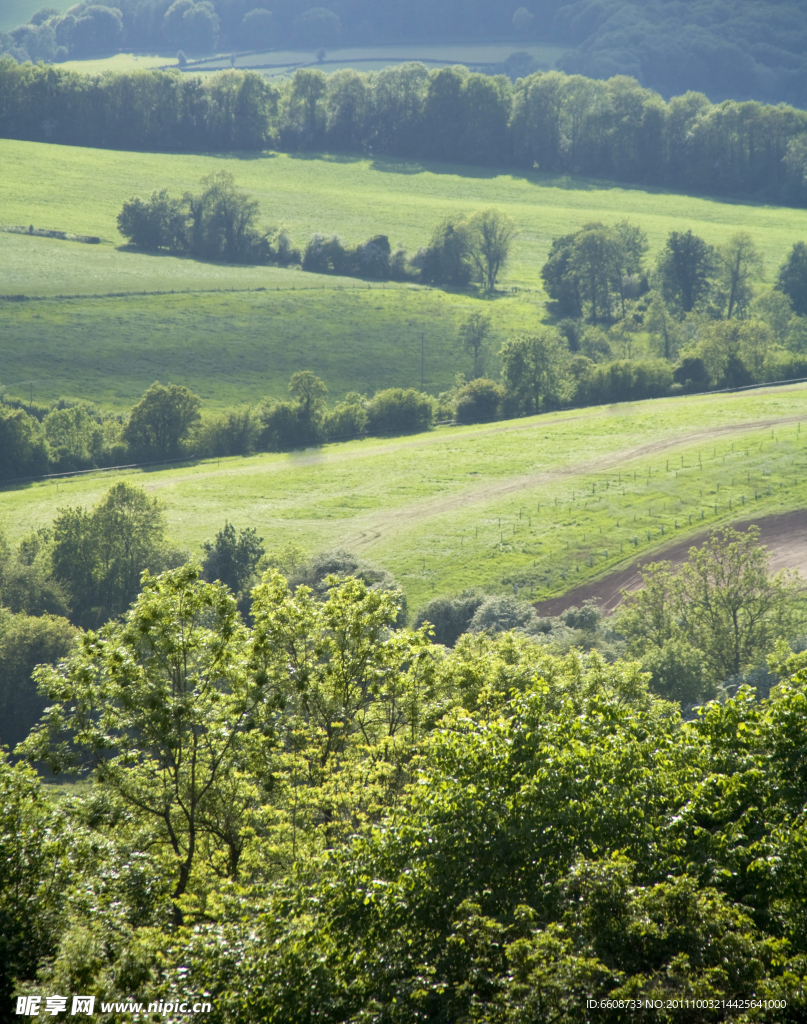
(544, 503)
(354, 335)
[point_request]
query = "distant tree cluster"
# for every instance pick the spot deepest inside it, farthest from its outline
(220, 224)
(625, 331)
(217, 224)
(743, 50)
(559, 123)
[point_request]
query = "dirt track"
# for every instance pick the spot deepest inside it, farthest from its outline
(785, 536)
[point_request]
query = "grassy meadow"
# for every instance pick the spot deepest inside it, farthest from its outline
(121, 62)
(546, 502)
(362, 58)
(374, 58)
(355, 336)
(233, 348)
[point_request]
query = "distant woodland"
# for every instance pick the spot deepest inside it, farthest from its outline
(550, 121)
(742, 49)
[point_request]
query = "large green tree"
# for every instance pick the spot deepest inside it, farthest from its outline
(98, 554)
(739, 262)
(233, 556)
(792, 278)
(491, 235)
(222, 221)
(722, 603)
(472, 335)
(535, 371)
(686, 266)
(162, 420)
(157, 704)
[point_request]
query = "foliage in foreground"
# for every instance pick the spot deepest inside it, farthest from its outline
(319, 817)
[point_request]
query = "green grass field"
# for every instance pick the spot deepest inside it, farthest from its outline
(546, 502)
(363, 58)
(237, 347)
(374, 58)
(71, 347)
(121, 62)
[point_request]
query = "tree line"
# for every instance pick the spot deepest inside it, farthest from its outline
(743, 50)
(558, 123)
(220, 223)
(202, 26)
(303, 810)
(167, 423)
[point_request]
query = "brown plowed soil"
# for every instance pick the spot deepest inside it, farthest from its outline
(784, 535)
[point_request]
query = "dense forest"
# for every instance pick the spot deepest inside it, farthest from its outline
(744, 49)
(300, 811)
(548, 121)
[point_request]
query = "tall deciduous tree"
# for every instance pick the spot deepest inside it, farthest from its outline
(535, 371)
(491, 235)
(308, 86)
(448, 257)
(232, 557)
(309, 391)
(722, 603)
(159, 704)
(99, 553)
(687, 265)
(222, 220)
(472, 336)
(739, 262)
(792, 278)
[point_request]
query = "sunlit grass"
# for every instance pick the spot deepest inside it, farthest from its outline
(544, 503)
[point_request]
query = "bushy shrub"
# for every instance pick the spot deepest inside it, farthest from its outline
(284, 425)
(450, 616)
(346, 419)
(400, 411)
(499, 614)
(234, 432)
(691, 374)
(155, 223)
(625, 380)
(479, 401)
(325, 255)
(447, 257)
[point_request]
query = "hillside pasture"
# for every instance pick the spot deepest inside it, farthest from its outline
(82, 190)
(358, 341)
(545, 503)
(236, 347)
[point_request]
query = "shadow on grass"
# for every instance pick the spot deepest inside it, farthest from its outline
(566, 181)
